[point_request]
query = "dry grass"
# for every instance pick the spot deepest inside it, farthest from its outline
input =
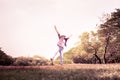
(64, 72)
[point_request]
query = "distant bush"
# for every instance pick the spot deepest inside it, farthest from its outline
(30, 61)
(114, 59)
(21, 61)
(87, 59)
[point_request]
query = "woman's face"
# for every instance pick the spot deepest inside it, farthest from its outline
(62, 37)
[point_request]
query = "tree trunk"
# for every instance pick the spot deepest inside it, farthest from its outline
(106, 46)
(97, 56)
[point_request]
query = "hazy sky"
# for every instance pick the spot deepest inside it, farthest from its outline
(27, 26)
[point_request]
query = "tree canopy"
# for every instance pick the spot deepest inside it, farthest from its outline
(102, 46)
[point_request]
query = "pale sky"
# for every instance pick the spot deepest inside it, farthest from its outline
(27, 26)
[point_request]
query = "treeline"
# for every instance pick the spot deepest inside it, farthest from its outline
(102, 46)
(36, 60)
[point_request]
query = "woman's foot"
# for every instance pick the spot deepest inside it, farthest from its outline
(51, 59)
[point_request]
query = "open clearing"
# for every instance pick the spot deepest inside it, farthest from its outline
(64, 72)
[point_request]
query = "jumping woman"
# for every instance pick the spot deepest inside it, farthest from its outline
(61, 43)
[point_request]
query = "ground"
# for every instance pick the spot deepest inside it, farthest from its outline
(61, 72)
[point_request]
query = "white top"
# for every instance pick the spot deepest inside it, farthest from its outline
(61, 42)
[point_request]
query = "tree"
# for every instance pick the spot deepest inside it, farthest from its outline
(109, 31)
(86, 48)
(95, 45)
(5, 59)
(103, 45)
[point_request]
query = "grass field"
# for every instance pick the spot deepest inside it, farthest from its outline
(64, 72)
